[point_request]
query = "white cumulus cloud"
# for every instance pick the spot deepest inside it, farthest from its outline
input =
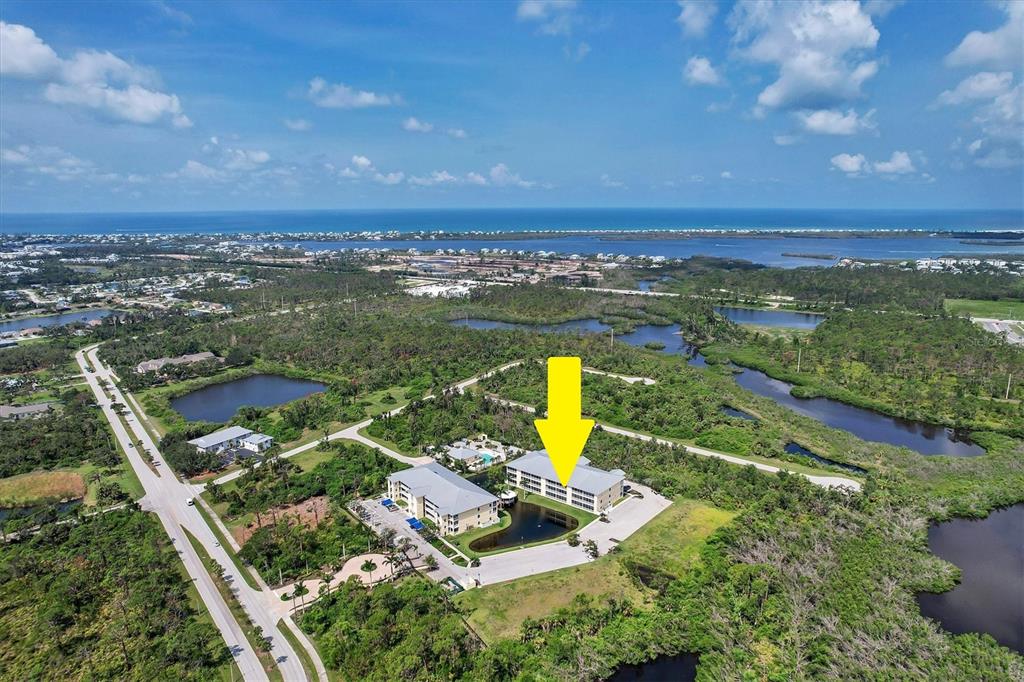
(553, 17)
(699, 71)
(413, 124)
(898, 164)
(851, 164)
(695, 16)
(341, 96)
(501, 176)
(835, 122)
(1001, 48)
(983, 85)
(299, 125)
(818, 47)
(100, 81)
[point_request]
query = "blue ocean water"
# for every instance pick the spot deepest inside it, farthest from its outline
(503, 220)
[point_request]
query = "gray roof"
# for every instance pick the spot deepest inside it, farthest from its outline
(21, 410)
(257, 438)
(152, 365)
(450, 493)
(462, 453)
(217, 437)
(585, 477)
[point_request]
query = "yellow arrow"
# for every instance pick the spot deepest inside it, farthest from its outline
(564, 432)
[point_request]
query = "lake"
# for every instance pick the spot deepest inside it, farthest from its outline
(220, 402)
(927, 439)
(55, 320)
(680, 668)
(787, 319)
(990, 595)
(530, 523)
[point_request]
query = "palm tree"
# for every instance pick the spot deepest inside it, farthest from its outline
(368, 567)
(300, 591)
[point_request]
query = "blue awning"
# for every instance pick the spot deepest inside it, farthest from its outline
(387, 502)
(417, 525)
(413, 521)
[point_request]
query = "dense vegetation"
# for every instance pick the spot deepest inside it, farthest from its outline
(877, 287)
(936, 369)
(404, 631)
(804, 584)
(452, 416)
(98, 600)
(278, 287)
(285, 548)
(70, 435)
(29, 357)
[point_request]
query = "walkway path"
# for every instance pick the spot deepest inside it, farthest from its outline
(352, 567)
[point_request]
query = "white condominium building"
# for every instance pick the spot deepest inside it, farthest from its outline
(590, 488)
(451, 502)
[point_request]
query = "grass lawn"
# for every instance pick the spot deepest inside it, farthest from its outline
(41, 486)
(379, 402)
(671, 542)
(310, 458)
(1000, 310)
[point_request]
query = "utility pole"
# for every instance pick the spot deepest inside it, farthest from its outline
(1008, 378)
(799, 356)
(611, 341)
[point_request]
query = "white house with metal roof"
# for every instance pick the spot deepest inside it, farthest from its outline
(590, 488)
(232, 437)
(451, 502)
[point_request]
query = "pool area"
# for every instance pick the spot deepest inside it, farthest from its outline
(530, 523)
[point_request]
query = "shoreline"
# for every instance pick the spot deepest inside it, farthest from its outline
(993, 236)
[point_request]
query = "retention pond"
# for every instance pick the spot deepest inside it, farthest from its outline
(220, 402)
(530, 523)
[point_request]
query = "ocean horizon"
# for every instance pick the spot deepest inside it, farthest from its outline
(506, 220)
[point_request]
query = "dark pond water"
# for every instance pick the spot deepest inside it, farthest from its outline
(927, 439)
(56, 510)
(55, 320)
(797, 449)
(681, 668)
(220, 402)
(771, 318)
(530, 523)
(733, 412)
(990, 596)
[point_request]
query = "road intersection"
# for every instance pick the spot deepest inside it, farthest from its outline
(168, 498)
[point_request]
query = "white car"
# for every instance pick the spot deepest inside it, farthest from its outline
(191, 501)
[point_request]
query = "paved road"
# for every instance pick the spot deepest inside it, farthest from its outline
(167, 497)
(1009, 327)
(352, 432)
(625, 519)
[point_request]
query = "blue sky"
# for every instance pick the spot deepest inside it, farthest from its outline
(170, 105)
